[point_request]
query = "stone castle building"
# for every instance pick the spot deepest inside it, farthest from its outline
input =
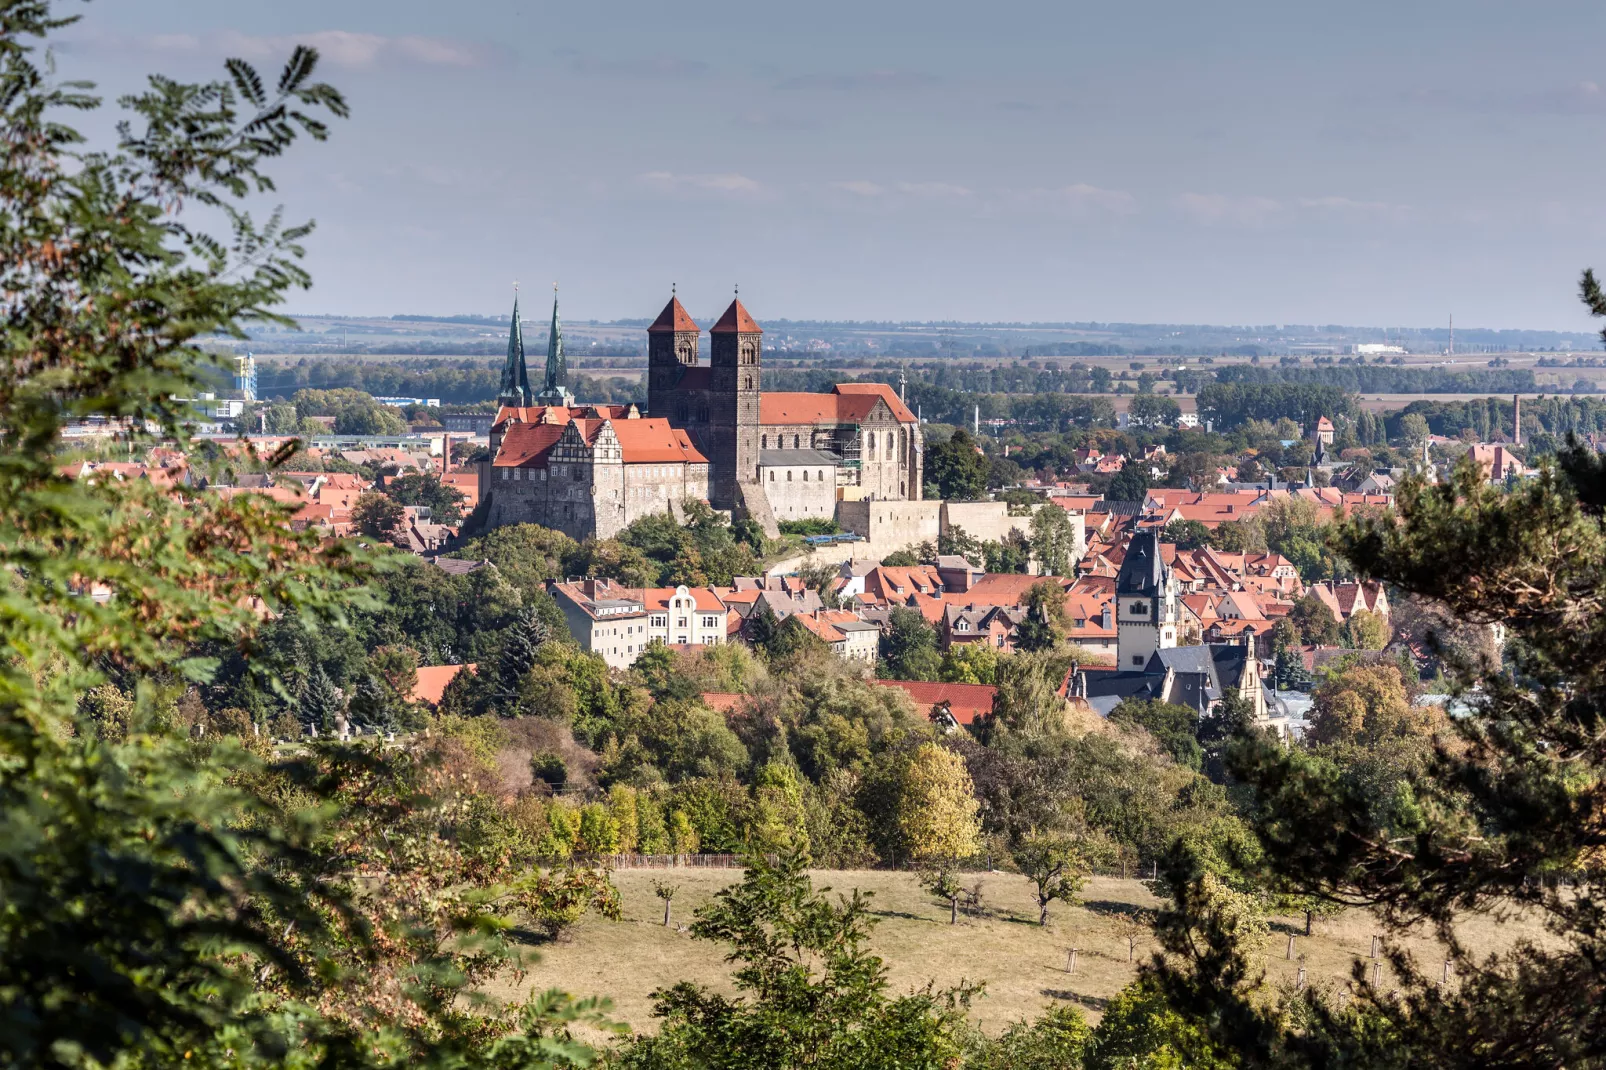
(587, 471)
(769, 453)
(710, 433)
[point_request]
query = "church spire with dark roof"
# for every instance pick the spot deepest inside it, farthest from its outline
(554, 388)
(515, 376)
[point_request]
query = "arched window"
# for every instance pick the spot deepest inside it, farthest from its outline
(772, 475)
(805, 475)
(764, 442)
(796, 441)
(789, 476)
(821, 475)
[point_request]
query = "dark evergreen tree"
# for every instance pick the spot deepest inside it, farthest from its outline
(372, 705)
(519, 645)
(1130, 484)
(761, 626)
(319, 702)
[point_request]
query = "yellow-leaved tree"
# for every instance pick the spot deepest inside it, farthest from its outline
(937, 818)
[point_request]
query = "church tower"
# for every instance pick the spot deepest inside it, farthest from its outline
(515, 390)
(555, 386)
(671, 348)
(1145, 603)
(735, 344)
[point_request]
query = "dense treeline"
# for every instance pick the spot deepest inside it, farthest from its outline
(454, 382)
(1227, 405)
(1549, 418)
(1387, 379)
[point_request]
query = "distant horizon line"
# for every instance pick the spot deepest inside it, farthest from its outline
(894, 324)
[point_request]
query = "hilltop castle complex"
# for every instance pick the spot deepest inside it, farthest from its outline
(710, 433)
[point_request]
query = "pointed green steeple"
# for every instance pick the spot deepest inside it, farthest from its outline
(555, 390)
(515, 376)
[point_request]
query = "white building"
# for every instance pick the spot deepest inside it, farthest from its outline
(618, 622)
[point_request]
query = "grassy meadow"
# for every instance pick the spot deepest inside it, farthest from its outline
(1023, 965)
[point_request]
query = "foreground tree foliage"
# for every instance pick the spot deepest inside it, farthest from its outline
(1500, 812)
(167, 901)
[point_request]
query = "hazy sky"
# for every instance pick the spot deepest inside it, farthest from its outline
(1244, 162)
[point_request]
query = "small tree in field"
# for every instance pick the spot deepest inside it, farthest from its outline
(1057, 866)
(942, 882)
(1133, 926)
(667, 892)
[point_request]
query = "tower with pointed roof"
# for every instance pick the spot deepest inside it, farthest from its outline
(555, 388)
(1145, 603)
(515, 389)
(735, 345)
(671, 350)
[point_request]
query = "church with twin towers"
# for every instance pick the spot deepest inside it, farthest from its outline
(710, 433)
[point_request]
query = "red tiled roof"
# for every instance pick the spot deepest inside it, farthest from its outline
(1003, 589)
(526, 445)
(724, 701)
(965, 701)
(432, 681)
(734, 321)
(822, 628)
(642, 441)
(648, 439)
(851, 392)
(528, 414)
(776, 407)
(849, 403)
(674, 317)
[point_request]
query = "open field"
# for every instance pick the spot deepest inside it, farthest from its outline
(1022, 964)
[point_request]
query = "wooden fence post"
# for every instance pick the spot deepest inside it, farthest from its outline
(1070, 960)
(1290, 947)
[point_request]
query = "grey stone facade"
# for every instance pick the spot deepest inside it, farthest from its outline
(591, 477)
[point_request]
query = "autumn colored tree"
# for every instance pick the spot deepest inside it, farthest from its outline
(937, 806)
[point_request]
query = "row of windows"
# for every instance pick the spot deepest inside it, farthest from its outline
(819, 476)
(870, 442)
